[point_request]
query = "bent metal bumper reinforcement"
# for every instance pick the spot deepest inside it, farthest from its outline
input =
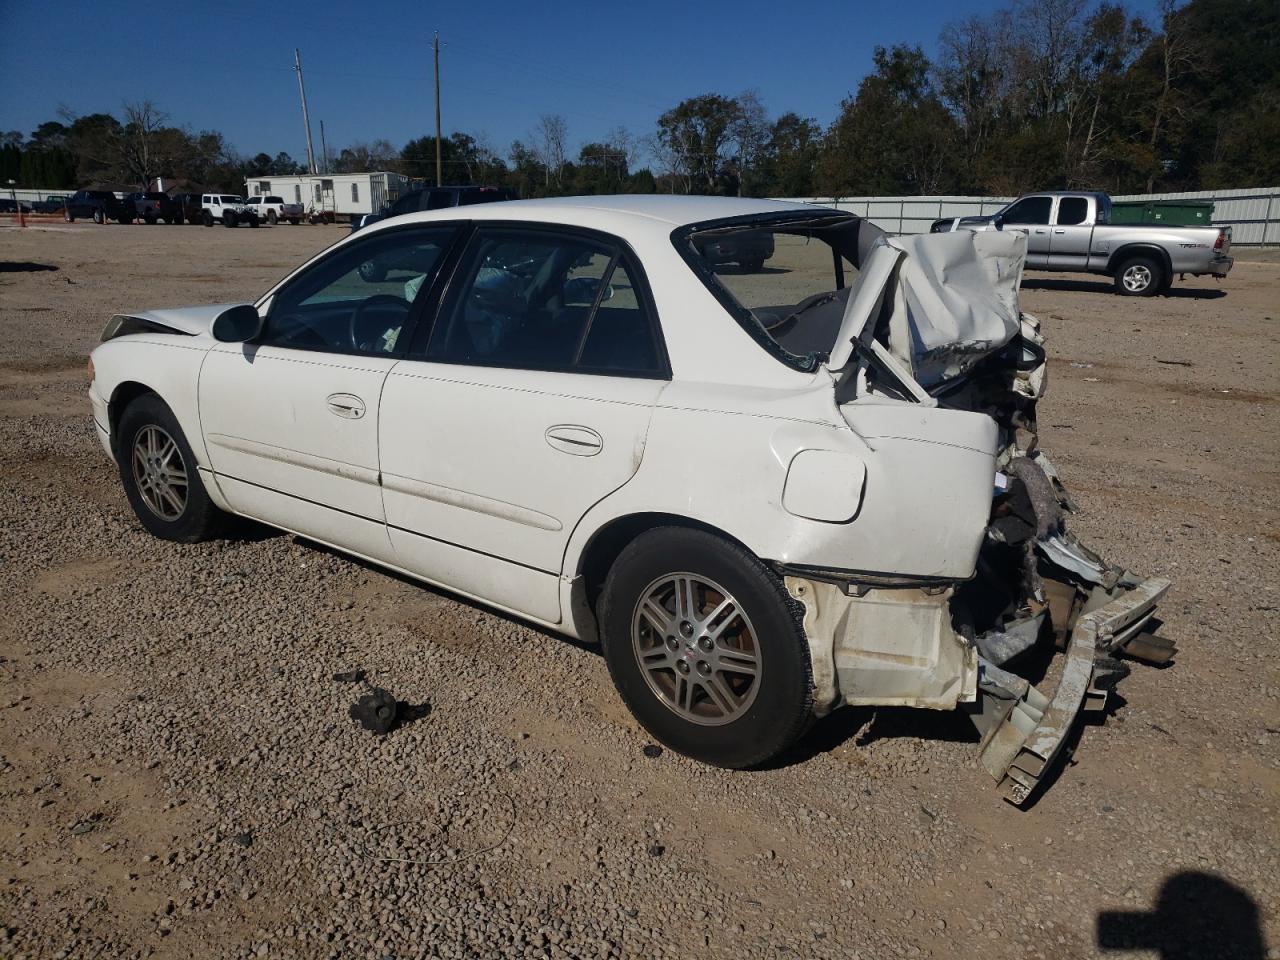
(1026, 729)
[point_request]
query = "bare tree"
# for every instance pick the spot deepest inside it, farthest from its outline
(140, 141)
(549, 138)
(1177, 59)
(750, 131)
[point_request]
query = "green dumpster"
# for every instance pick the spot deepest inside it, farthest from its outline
(1179, 213)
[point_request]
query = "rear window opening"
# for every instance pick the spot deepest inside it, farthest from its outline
(786, 278)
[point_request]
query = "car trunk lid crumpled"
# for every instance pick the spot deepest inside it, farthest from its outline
(933, 323)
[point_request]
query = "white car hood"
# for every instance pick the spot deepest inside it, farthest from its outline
(954, 300)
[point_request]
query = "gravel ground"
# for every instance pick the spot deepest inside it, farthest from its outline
(179, 776)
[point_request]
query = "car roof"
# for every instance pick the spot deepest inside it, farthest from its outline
(672, 210)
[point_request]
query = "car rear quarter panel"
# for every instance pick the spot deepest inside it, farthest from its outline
(719, 459)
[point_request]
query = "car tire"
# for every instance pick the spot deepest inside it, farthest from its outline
(148, 427)
(697, 694)
(253, 222)
(228, 219)
(98, 217)
(66, 215)
(271, 217)
(1139, 276)
(148, 219)
(207, 217)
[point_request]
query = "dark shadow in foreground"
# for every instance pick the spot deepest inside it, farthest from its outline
(24, 266)
(1198, 916)
(1105, 286)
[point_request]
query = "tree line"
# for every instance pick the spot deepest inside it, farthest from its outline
(1036, 95)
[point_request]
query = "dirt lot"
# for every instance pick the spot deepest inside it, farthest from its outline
(179, 777)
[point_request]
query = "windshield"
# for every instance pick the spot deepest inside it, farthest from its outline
(786, 278)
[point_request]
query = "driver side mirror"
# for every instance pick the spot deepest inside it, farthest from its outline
(998, 221)
(238, 324)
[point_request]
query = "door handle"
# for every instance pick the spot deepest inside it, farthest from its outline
(572, 439)
(346, 405)
(1059, 231)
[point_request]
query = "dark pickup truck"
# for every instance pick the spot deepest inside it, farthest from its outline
(150, 207)
(98, 206)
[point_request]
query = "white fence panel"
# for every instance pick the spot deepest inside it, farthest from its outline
(1252, 213)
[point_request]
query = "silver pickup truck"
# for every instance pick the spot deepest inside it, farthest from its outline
(1073, 232)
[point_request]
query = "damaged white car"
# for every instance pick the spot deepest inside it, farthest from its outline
(768, 491)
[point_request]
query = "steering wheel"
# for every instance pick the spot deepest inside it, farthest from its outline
(357, 315)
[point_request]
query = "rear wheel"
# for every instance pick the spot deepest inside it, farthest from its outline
(159, 474)
(271, 217)
(1140, 276)
(706, 648)
(98, 217)
(207, 217)
(253, 221)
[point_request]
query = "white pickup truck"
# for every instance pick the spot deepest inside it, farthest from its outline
(274, 210)
(1072, 232)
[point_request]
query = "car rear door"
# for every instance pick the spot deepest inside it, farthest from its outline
(290, 421)
(1073, 220)
(528, 403)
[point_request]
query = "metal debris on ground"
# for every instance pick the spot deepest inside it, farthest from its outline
(378, 711)
(350, 676)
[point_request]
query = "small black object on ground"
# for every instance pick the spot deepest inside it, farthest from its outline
(378, 711)
(652, 751)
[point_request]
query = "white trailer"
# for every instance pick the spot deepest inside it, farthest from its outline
(332, 196)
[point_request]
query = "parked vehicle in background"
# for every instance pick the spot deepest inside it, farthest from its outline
(749, 249)
(1073, 232)
(50, 204)
(8, 205)
(98, 206)
(274, 210)
(227, 209)
(153, 206)
(767, 495)
(435, 198)
(190, 207)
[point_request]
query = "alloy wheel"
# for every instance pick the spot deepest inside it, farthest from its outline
(1137, 277)
(159, 473)
(696, 648)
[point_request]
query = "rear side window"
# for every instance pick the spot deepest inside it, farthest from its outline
(1072, 210)
(543, 300)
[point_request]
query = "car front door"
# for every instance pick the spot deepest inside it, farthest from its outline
(529, 402)
(1073, 219)
(1031, 216)
(290, 421)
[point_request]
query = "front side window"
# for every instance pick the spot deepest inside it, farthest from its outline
(540, 300)
(786, 279)
(359, 298)
(1032, 210)
(1072, 210)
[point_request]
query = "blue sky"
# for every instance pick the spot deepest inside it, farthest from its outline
(229, 65)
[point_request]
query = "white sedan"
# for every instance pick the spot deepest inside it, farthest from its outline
(768, 487)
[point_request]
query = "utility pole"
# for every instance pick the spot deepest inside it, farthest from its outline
(324, 151)
(306, 120)
(436, 48)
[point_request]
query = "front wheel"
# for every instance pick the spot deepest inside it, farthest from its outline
(1140, 276)
(706, 648)
(159, 474)
(253, 222)
(228, 219)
